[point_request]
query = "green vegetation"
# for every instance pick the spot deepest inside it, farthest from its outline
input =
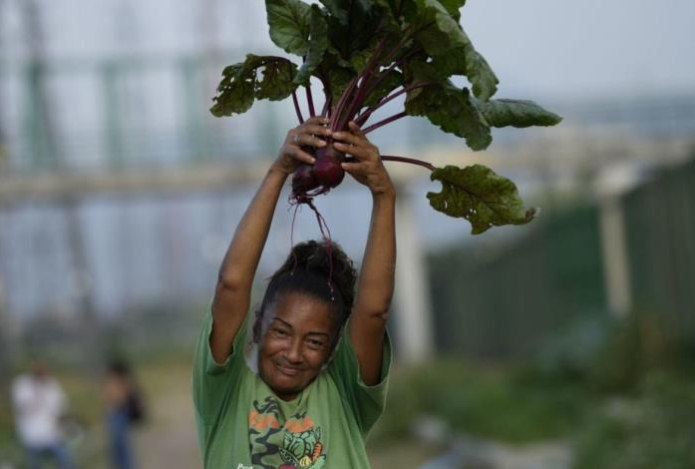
(654, 429)
(497, 404)
(622, 392)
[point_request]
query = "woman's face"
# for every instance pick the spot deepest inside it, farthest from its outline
(296, 341)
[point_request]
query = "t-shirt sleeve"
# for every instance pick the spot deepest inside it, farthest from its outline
(215, 383)
(366, 402)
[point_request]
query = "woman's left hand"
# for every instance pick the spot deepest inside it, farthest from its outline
(366, 167)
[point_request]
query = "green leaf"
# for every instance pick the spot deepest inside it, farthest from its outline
(277, 83)
(240, 85)
(290, 25)
(517, 113)
(318, 43)
(390, 82)
(391, 13)
(480, 74)
(480, 196)
(468, 62)
(360, 59)
(453, 110)
(356, 34)
(453, 7)
(344, 10)
(417, 70)
(452, 51)
(235, 91)
(338, 79)
(438, 30)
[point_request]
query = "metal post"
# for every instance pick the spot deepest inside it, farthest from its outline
(114, 133)
(613, 183)
(198, 141)
(414, 323)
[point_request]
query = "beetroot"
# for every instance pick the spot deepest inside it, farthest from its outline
(304, 179)
(326, 173)
(327, 169)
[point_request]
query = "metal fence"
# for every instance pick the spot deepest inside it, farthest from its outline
(504, 303)
(507, 303)
(660, 231)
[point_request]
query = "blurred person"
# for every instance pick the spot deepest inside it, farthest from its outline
(125, 408)
(40, 405)
(314, 378)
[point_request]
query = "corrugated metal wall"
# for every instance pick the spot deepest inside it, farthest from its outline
(660, 222)
(506, 304)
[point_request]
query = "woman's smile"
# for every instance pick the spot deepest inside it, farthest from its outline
(288, 370)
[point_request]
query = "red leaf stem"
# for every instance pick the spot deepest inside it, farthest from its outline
(402, 159)
(356, 104)
(382, 123)
(365, 85)
(381, 77)
(326, 105)
(363, 118)
(407, 36)
(310, 100)
(341, 103)
(296, 107)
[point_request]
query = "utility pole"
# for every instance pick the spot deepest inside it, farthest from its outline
(42, 114)
(4, 56)
(6, 355)
(414, 326)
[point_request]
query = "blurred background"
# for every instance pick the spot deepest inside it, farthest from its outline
(568, 342)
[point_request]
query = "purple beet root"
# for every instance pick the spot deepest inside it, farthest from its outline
(327, 169)
(304, 179)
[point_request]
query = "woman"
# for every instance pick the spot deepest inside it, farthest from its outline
(320, 378)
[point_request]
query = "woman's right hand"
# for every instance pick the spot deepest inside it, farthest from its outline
(307, 134)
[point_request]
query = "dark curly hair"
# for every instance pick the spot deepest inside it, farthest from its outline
(307, 270)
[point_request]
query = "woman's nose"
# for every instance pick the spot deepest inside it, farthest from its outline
(294, 352)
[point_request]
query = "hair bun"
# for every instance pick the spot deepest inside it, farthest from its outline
(315, 256)
(325, 259)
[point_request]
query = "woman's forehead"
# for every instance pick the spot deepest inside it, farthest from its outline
(299, 310)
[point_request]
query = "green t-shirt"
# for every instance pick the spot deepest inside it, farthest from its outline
(242, 424)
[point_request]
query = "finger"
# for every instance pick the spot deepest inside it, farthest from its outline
(348, 138)
(352, 167)
(316, 120)
(300, 155)
(360, 153)
(300, 139)
(355, 129)
(315, 130)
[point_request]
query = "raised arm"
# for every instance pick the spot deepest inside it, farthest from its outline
(235, 278)
(375, 285)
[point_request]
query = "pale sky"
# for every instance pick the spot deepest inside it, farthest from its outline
(549, 48)
(587, 47)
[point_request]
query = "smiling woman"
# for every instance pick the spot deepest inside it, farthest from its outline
(302, 315)
(300, 384)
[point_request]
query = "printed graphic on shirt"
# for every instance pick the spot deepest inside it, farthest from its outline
(297, 441)
(303, 450)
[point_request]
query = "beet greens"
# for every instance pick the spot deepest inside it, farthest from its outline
(365, 54)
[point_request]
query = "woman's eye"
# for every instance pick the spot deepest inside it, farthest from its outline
(279, 332)
(316, 344)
